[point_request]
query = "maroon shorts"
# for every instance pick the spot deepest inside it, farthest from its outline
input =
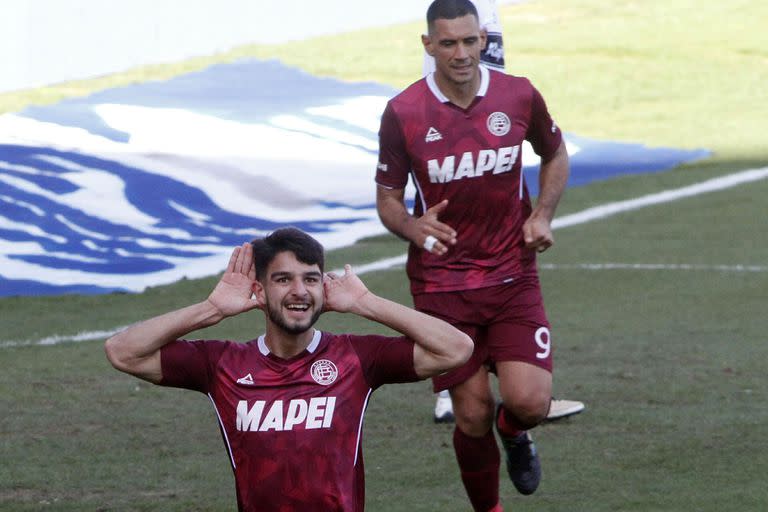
(507, 323)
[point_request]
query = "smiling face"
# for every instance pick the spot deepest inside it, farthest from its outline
(456, 45)
(292, 293)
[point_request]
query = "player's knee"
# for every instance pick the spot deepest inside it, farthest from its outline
(530, 416)
(528, 410)
(475, 419)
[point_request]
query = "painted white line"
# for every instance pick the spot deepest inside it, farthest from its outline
(55, 340)
(384, 264)
(588, 215)
(715, 184)
(653, 266)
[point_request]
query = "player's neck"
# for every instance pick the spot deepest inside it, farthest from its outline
(286, 345)
(460, 94)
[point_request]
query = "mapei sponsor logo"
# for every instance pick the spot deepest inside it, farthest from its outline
(473, 165)
(313, 414)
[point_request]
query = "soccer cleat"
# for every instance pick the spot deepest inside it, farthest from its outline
(559, 409)
(444, 408)
(523, 464)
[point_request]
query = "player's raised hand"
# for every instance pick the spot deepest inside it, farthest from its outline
(343, 293)
(232, 294)
(434, 236)
(537, 234)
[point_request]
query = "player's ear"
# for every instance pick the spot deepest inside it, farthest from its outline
(483, 38)
(427, 42)
(258, 291)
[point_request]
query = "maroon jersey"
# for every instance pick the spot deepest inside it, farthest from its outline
(472, 158)
(292, 427)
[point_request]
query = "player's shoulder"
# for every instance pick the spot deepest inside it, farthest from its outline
(413, 94)
(505, 87)
(506, 79)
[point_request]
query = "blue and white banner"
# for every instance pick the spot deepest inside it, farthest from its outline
(142, 185)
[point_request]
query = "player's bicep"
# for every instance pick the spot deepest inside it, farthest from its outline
(427, 364)
(543, 133)
(394, 165)
(148, 368)
(385, 360)
(188, 364)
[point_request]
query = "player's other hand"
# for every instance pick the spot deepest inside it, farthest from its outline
(537, 234)
(343, 293)
(431, 234)
(233, 293)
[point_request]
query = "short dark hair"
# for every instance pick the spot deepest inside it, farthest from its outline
(306, 249)
(449, 10)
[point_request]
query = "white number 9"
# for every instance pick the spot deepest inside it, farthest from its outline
(544, 342)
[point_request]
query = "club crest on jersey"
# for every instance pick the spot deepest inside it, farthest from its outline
(433, 135)
(324, 372)
(498, 123)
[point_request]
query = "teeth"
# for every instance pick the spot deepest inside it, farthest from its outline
(297, 307)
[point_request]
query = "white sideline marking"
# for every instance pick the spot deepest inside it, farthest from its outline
(56, 339)
(588, 215)
(712, 185)
(653, 266)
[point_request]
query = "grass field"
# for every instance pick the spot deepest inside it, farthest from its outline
(670, 359)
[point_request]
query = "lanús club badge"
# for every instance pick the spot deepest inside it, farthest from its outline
(324, 372)
(498, 123)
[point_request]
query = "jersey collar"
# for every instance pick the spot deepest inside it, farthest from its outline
(310, 348)
(485, 79)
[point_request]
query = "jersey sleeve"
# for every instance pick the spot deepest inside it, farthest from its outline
(385, 360)
(190, 364)
(394, 166)
(543, 134)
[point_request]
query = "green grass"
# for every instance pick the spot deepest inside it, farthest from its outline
(669, 362)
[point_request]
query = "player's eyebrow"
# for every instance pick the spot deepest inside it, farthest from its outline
(284, 273)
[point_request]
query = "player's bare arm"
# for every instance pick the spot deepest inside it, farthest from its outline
(438, 346)
(553, 178)
(136, 350)
(426, 231)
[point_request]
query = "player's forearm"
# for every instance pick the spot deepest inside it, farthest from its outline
(135, 350)
(441, 346)
(553, 179)
(393, 213)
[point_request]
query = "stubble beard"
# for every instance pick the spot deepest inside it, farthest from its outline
(279, 320)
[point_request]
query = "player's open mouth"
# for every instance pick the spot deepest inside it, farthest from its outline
(297, 307)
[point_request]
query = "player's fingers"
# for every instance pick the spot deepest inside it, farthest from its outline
(245, 258)
(445, 233)
(434, 245)
(439, 230)
(231, 265)
(439, 207)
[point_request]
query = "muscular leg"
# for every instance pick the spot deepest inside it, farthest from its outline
(473, 404)
(526, 395)
(526, 391)
(474, 442)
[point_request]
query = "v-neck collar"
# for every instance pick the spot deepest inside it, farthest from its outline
(310, 348)
(485, 79)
